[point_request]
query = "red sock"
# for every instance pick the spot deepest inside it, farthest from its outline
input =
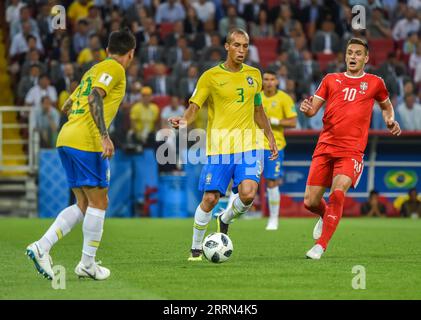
(320, 210)
(332, 217)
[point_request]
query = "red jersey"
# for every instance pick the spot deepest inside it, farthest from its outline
(349, 105)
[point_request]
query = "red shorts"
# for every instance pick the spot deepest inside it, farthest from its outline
(325, 167)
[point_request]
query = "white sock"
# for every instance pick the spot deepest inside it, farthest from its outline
(92, 233)
(231, 198)
(201, 221)
(65, 221)
(235, 210)
(274, 202)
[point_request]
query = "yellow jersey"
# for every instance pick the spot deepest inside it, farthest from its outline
(78, 11)
(80, 131)
(145, 118)
(279, 106)
(231, 99)
(86, 56)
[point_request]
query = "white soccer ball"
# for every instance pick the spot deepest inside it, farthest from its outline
(217, 247)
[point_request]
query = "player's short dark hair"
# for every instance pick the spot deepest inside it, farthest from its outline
(270, 71)
(358, 41)
(236, 31)
(374, 193)
(120, 42)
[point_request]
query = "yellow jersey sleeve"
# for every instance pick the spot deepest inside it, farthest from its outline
(258, 97)
(202, 90)
(259, 81)
(289, 107)
(108, 76)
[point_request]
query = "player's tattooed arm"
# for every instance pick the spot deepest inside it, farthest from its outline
(67, 106)
(96, 107)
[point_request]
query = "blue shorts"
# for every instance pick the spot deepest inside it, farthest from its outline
(84, 168)
(274, 168)
(220, 169)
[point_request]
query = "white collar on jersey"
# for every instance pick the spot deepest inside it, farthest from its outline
(348, 76)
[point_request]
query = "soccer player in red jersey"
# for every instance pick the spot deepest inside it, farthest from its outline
(338, 157)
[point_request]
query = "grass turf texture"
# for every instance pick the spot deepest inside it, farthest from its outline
(148, 260)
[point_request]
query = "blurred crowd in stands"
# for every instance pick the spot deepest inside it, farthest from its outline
(177, 41)
(408, 206)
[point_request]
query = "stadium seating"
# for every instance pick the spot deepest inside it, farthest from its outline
(165, 28)
(148, 72)
(267, 48)
(161, 101)
(273, 3)
(324, 58)
(352, 208)
(391, 211)
(379, 50)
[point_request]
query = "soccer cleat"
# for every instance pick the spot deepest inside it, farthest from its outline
(94, 271)
(317, 231)
(196, 255)
(272, 224)
(315, 253)
(42, 261)
(221, 226)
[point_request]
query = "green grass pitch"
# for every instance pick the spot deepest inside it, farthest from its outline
(148, 260)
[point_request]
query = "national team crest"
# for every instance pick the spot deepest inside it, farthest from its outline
(208, 178)
(250, 80)
(273, 104)
(363, 86)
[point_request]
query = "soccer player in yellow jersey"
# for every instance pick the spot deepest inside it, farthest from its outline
(84, 147)
(280, 110)
(232, 92)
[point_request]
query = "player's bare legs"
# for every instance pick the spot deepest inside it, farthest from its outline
(314, 202)
(63, 224)
(340, 185)
(92, 233)
(313, 199)
(246, 192)
(274, 202)
(202, 217)
(81, 199)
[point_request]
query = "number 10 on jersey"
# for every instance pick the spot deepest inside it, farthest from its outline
(350, 94)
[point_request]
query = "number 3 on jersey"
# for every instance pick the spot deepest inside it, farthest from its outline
(350, 94)
(241, 94)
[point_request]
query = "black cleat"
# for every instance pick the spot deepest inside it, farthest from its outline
(221, 226)
(196, 255)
